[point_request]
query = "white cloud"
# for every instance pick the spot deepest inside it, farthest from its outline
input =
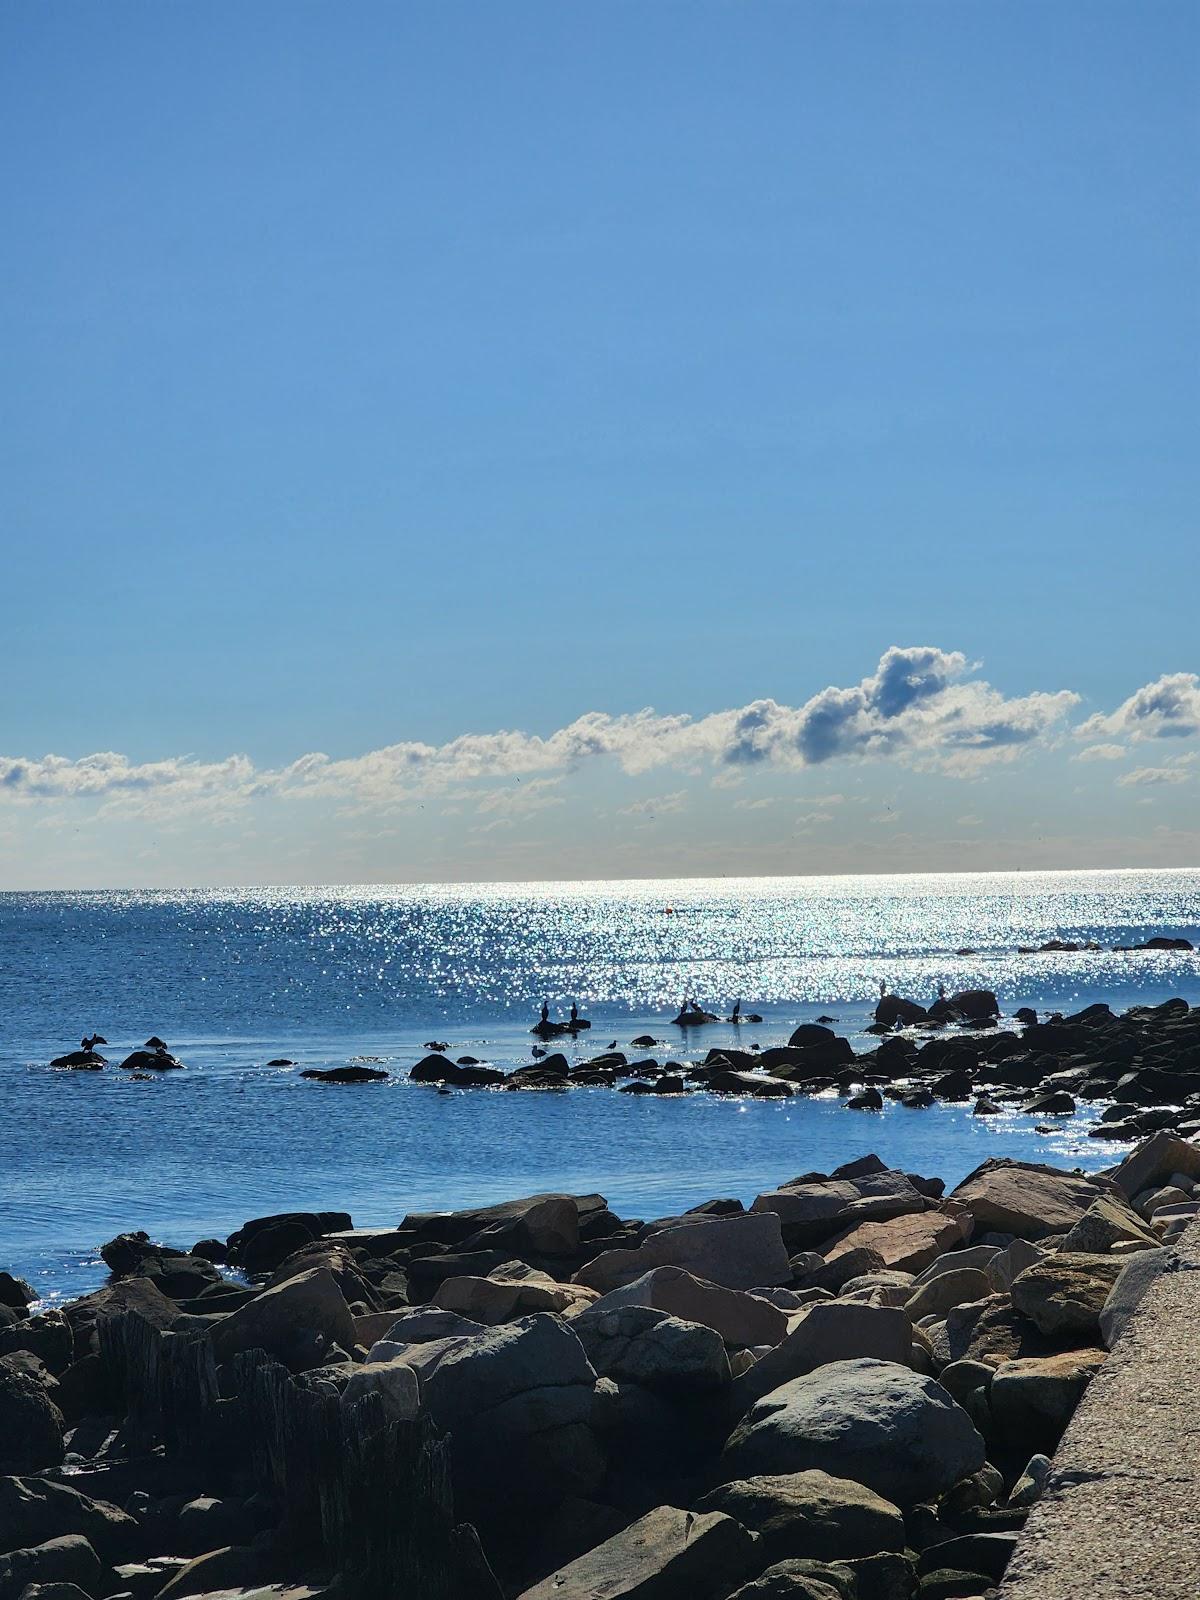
(753, 805)
(1141, 776)
(814, 816)
(1102, 752)
(655, 805)
(920, 706)
(1168, 708)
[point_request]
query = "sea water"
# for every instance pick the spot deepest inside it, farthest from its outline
(233, 979)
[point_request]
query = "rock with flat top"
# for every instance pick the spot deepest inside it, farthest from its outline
(1157, 1161)
(908, 1243)
(1065, 1294)
(832, 1330)
(740, 1318)
(1022, 1198)
(31, 1425)
(738, 1252)
(1108, 1221)
(828, 1518)
(1032, 1400)
(668, 1554)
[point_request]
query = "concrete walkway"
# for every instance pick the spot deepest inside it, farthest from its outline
(1121, 1516)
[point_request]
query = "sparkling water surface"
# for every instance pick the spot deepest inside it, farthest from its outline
(234, 978)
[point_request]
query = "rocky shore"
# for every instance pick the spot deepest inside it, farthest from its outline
(848, 1391)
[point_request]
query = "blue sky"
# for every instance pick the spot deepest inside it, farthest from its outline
(380, 376)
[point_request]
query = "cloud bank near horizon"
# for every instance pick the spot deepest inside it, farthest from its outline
(922, 707)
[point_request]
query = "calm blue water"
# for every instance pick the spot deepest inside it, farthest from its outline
(233, 978)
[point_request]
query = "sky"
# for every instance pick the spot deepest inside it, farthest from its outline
(487, 442)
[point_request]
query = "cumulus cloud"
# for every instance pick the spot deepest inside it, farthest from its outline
(921, 705)
(1140, 777)
(1168, 708)
(1102, 752)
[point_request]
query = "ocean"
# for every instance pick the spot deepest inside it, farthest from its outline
(233, 979)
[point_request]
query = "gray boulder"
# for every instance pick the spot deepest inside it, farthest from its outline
(740, 1318)
(829, 1330)
(637, 1344)
(738, 1252)
(827, 1518)
(668, 1554)
(33, 1510)
(873, 1421)
(69, 1559)
(1023, 1198)
(278, 1319)
(31, 1425)
(517, 1401)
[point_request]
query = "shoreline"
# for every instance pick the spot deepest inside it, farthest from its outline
(590, 1393)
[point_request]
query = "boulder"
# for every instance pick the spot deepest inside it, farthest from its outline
(1065, 1294)
(637, 1344)
(393, 1381)
(741, 1319)
(955, 1287)
(830, 1330)
(31, 1425)
(349, 1074)
(48, 1336)
(668, 1554)
(15, 1292)
(264, 1243)
(68, 1560)
(1156, 1162)
(829, 1519)
(279, 1319)
(738, 1252)
(498, 1298)
(34, 1510)
(1032, 1400)
(894, 1009)
(1023, 1198)
(875, 1422)
(1108, 1221)
(907, 1243)
(984, 1553)
(517, 1400)
(799, 1580)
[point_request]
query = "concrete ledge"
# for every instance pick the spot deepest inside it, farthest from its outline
(1120, 1519)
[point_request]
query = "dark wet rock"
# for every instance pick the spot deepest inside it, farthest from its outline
(875, 1422)
(439, 1069)
(150, 1061)
(48, 1336)
(66, 1561)
(263, 1243)
(868, 1100)
(31, 1425)
(15, 1292)
(986, 1107)
(893, 1009)
(352, 1074)
(127, 1255)
(34, 1510)
(81, 1061)
(1058, 1103)
(1159, 942)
